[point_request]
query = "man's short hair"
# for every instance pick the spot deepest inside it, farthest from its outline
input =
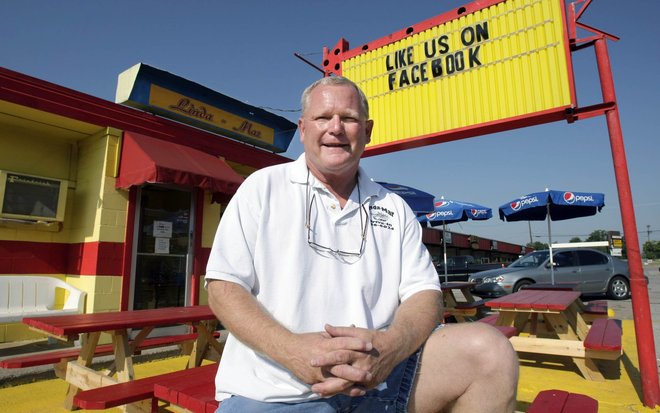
(334, 81)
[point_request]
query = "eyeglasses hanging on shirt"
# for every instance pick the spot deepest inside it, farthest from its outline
(335, 251)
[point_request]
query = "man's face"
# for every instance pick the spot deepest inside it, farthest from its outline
(334, 131)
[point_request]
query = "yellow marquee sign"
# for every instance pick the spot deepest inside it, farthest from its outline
(450, 78)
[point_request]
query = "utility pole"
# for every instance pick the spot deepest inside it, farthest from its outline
(648, 233)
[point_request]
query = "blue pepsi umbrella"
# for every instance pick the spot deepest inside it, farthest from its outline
(419, 201)
(447, 212)
(553, 206)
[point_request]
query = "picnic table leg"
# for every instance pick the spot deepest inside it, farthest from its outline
(209, 328)
(123, 356)
(575, 317)
(204, 340)
(124, 365)
(459, 318)
(142, 406)
(134, 344)
(468, 295)
(538, 325)
(533, 324)
(567, 331)
(449, 301)
(513, 319)
(139, 338)
(85, 358)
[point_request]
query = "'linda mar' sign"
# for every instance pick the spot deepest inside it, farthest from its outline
(171, 96)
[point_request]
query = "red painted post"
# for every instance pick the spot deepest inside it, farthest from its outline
(640, 297)
(128, 249)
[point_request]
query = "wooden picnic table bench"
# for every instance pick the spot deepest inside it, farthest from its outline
(592, 310)
(196, 396)
(559, 401)
(605, 336)
(142, 390)
(508, 331)
(567, 332)
(63, 355)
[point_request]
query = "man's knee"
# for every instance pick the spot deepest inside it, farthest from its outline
(479, 342)
(470, 334)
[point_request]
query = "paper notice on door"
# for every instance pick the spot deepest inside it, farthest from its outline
(162, 246)
(163, 229)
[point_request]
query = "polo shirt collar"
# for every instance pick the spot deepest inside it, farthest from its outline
(368, 187)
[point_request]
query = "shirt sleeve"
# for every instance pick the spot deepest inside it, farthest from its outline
(417, 270)
(232, 254)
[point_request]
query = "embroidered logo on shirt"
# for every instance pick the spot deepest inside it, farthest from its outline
(381, 217)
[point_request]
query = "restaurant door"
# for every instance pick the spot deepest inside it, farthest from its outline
(163, 256)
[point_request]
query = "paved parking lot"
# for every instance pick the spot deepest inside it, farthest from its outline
(623, 309)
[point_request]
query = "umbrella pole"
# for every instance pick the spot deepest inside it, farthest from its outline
(552, 262)
(444, 249)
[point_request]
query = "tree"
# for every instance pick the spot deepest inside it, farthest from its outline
(652, 249)
(598, 235)
(537, 245)
(575, 239)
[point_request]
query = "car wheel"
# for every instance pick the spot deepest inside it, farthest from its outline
(618, 288)
(521, 284)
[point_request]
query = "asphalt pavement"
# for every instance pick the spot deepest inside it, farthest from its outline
(623, 310)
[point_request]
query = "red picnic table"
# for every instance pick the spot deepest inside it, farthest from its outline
(567, 331)
(89, 327)
(196, 394)
(460, 309)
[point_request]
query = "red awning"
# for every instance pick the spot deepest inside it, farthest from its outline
(150, 160)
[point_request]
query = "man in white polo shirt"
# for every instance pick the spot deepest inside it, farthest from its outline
(331, 298)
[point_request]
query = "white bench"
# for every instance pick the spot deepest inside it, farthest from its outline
(34, 296)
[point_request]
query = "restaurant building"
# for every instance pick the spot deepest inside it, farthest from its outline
(117, 201)
(484, 250)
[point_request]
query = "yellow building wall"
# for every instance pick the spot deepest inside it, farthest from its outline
(103, 291)
(211, 218)
(95, 212)
(101, 209)
(203, 294)
(28, 152)
(102, 214)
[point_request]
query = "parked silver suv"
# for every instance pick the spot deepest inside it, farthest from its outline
(594, 271)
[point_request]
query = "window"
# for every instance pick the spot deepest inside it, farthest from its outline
(564, 259)
(592, 258)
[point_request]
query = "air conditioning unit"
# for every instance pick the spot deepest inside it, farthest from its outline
(33, 198)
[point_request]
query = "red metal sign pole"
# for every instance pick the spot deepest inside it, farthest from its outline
(640, 297)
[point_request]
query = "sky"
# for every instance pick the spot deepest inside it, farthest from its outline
(245, 49)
